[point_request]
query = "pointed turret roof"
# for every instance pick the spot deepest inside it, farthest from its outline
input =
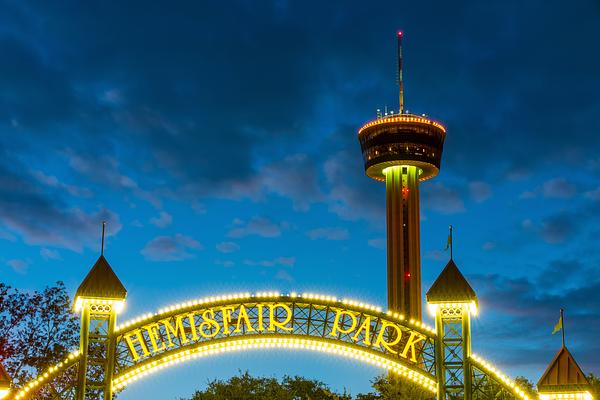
(4, 378)
(101, 283)
(563, 375)
(451, 286)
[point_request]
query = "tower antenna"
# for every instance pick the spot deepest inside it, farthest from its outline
(102, 246)
(400, 87)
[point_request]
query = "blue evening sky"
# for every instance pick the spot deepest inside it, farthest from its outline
(219, 140)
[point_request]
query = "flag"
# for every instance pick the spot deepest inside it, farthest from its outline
(559, 325)
(449, 242)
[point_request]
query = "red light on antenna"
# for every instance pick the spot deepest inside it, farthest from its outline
(400, 33)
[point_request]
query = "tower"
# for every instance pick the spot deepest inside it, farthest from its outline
(452, 300)
(99, 298)
(402, 150)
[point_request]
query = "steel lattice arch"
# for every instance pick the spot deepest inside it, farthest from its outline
(212, 326)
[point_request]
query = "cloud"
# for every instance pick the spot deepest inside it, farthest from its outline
(48, 254)
(105, 170)
(435, 255)
(378, 243)
(559, 188)
(528, 308)
(163, 220)
(351, 194)
(480, 191)
(328, 233)
(18, 265)
(556, 228)
(442, 199)
(54, 182)
(593, 194)
(284, 261)
(258, 226)
(227, 247)
(295, 177)
(284, 275)
(488, 246)
(171, 248)
(559, 228)
(225, 263)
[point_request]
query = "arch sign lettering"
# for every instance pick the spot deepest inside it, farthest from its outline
(319, 323)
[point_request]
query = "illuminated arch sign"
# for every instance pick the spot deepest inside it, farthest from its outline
(209, 326)
(215, 325)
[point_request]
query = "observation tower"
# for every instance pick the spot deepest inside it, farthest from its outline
(402, 149)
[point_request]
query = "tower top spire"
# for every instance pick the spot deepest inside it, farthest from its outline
(101, 283)
(400, 87)
(451, 287)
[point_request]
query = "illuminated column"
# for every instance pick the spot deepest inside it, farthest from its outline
(100, 297)
(403, 248)
(402, 149)
(452, 300)
(5, 382)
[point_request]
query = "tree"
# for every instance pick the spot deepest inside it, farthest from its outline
(595, 384)
(387, 388)
(527, 386)
(246, 387)
(37, 330)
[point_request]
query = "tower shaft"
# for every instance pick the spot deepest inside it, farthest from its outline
(403, 240)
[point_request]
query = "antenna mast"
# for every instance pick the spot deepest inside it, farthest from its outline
(102, 246)
(401, 88)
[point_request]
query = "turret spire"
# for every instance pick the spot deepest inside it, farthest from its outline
(400, 87)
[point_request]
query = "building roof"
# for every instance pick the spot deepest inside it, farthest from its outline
(101, 283)
(563, 374)
(451, 286)
(4, 378)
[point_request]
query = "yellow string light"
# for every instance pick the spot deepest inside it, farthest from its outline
(204, 350)
(508, 383)
(402, 118)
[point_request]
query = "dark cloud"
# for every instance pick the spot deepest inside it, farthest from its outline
(171, 248)
(442, 199)
(351, 194)
(528, 309)
(480, 191)
(43, 218)
(258, 226)
(328, 233)
(559, 188)
(559, 228)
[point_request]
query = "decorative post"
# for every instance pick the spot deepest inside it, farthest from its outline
(100, 297)
(452, 300)
(5, 382)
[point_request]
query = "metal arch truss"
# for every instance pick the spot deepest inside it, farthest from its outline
(205, 328)
(283, 321)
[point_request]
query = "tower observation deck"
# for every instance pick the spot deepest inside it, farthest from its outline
(402, 150)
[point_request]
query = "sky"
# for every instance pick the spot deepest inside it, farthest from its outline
(219, 141)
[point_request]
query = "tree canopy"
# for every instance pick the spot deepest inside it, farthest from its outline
(244, 386)
(37, 329)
